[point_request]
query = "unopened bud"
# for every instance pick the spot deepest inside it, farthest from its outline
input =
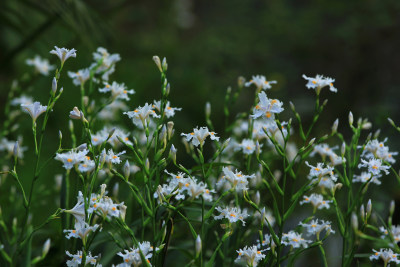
(103, 188)
(54, 86)
(343, 149)
(351, 118)
(367, 126)
(156, 60)
(369, 208)
(172, 153)
(354, 222)
(311, 141)
(335, 126)
(362, 212)
(226, 143)
(115, 190)
(257, 198)
(391, 122)
(59, 135)
(325, 102)
(241, 81)
(170, 129)
(167, 89)
(164, 64)
(85, 100)
(258, 149)
(198, 245)
(147, 164)
(61, 90)
(377, 133)
(71, 126)
(46, 247)
(369, 136)
(122, 212)
(337, 186)
(292, 106)
(127, 170)
(16, 150)
(392, 207)
(208, 110)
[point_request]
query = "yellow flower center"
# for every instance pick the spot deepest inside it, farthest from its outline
(69, 160)
(232, 215)
(268, 114)
(314, 82)
(375, 167)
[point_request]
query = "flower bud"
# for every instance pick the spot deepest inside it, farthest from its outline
(46, 247)
(343, 149)
(103, 188)
(16, 150)
(167, 89)
(351, 118)
(147, 164)
(208, 110)
(198, 245)
(164, 64)
(257, 198)
(292, 106)
(362, 212)
(156, 60)
(311, 141)
(369, 208)
(172, 153)
(122, 212)
(60, 135)
(127, 170)
(367, 126)
(170, 129)
(392, 207)
(377, 133)
(258, 149)
(115, 190)
(335, 126)
(241, 81)
(354, 222)
(85, 100)
(391, 122)
(325, 102)
(225, 143)
(54, 86)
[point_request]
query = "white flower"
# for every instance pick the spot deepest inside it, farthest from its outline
(386, 255)
(79, 77)
(376, 149)
(77, 259)
(78, 211)
(247, 146)
(22, 99)
(140, 116)
(260, 82)
(267, 216)
(132, 256)
(251, 255)
(87, 165)
(318, 82)
(315, 228)
(319, 171)
(111, 157)
(374, 166)
(395, 231)
(35, 109)
(317, 201)
(41, 65)
(168, 111)
(238, 180)
(266, 108)
(107, 62)
(109, 112)
(294, 239)
(267, 241)
(367, 177)
(118, 90)
(232, 214)
(63, 54)
(71, 158)
(198, 136)
(81, 231)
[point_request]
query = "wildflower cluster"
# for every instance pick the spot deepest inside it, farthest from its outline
(257, 191)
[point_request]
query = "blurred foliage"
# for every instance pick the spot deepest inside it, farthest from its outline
(209, 44)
